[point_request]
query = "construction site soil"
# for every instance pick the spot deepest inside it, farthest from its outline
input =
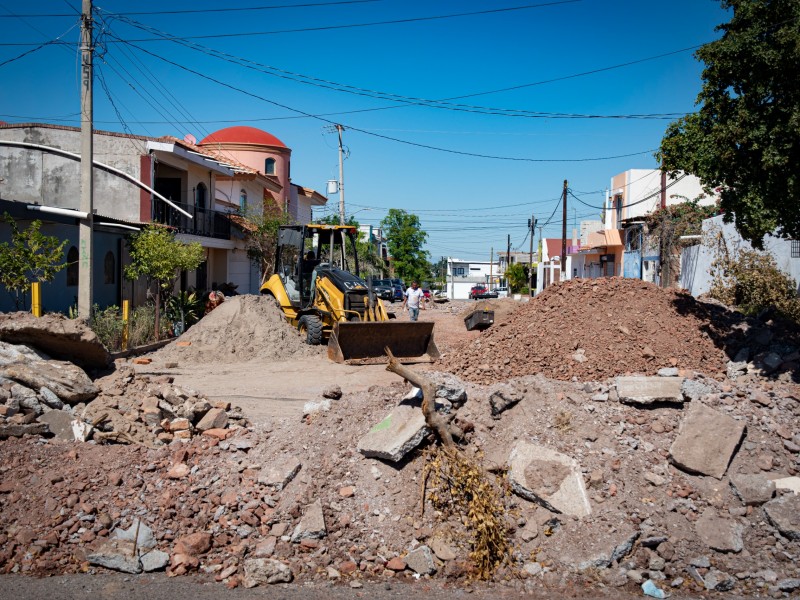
(222, 506)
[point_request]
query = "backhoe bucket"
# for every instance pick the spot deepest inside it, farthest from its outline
(363, 342)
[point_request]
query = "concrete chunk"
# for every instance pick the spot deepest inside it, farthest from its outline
(265, 570)
(278, 474)
(753, 490)
(312, 525)
(420, 560)
(706, 441)
(649, 390)
(117, 555)
(548, 478)
(719, 533)
(395, 436)
(216, 418)
(59, 422)
(784, 514)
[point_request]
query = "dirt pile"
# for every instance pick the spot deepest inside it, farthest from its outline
(593, 329)
(241, 329)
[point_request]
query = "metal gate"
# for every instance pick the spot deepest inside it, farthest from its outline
(632, 264)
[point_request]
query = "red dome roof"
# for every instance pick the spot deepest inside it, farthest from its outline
(241, 134)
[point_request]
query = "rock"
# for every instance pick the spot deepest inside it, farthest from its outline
(644, 391)
(500, 401)
(784, 514)
(706, 441)
(57, 336)
(7, 431)
(216, 418)
(117, 555)
(397, 435)
(178, 471)
(311, 408)
(457, 396)
(695, 390)
(719, 581)
(442, 549)
(719, 533)
(193, 544)
(59, 422)
(420, 560)
(259, 571)
(788, 585)
(280, 472)
(312, 525)
(333, 392)
(753, 490)
(26, 399)
(68, 381)
(668, 372)
(771, 362)
(13, 353)
(396, 564)
(155, 560)
(548, 478)
(145, 540)
(50, 398)
(599, 547)
(736, 368)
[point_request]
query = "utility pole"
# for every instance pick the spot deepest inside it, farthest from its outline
(540, 242)
(87, 155)
(531, 227)
(508, 259)
(340, 129)
(564, 232)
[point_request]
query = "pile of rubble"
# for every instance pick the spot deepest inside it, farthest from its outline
(674, 479)
(241, 329)
(596, 328)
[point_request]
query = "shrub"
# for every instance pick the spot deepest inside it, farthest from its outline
(107, 324)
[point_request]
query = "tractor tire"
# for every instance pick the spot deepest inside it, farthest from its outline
(311, 326)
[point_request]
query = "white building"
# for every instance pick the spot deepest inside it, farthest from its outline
(463, 274)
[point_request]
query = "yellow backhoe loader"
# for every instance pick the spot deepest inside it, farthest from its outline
(317, 287)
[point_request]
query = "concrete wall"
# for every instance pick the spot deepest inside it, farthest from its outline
(696, 261)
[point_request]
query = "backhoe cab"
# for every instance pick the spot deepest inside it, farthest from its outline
(316, 288)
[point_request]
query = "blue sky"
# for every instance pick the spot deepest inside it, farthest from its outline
(473, 168)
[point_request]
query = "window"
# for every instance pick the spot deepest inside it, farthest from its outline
(458, 271)
(795, 248)
(72, 267)
(618, 202)
(243, 201)
(109, 268)
(269, 166)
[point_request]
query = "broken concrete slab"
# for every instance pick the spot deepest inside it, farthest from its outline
(311, 525)
(693, 389)
(719, 533)
(118, 555)
(788, 483)
(549, 478)
(706, 441)
(280, 472)
(394, 437)
(753, 490)
(57, 336)
(644, 391)
(155, 560)
(59, 422)
(259, 571)
(139, 533)
(68, 381)
(784, 514)
(601, 544)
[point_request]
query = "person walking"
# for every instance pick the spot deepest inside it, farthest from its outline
(412, 299)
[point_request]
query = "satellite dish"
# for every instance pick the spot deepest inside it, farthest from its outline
(190, 139)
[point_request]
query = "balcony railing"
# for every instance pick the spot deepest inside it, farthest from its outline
(205, 222)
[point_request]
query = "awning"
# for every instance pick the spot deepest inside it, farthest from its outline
(605, 238)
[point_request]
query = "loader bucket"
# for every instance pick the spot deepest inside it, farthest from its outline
(363, 342)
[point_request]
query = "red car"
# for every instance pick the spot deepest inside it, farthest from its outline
(427, 293)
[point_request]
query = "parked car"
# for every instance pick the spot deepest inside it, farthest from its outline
(427, 293)
(399, 291)
(384, 289)
(480, 291)
(502, 291)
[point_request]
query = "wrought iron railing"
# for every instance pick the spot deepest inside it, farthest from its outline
(205, 221)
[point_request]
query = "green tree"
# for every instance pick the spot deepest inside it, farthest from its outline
(405, 238)
(158, 257)
(261, 235)
(517, 277)
(31, 256)
(745, 138)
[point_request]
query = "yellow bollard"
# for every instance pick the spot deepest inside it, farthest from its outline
(125, 308)
(36, 299)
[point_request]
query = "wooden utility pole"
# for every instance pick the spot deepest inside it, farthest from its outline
(564, 232)
(340, 129)
(508, 261)
(491, 260)
(85, 292)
